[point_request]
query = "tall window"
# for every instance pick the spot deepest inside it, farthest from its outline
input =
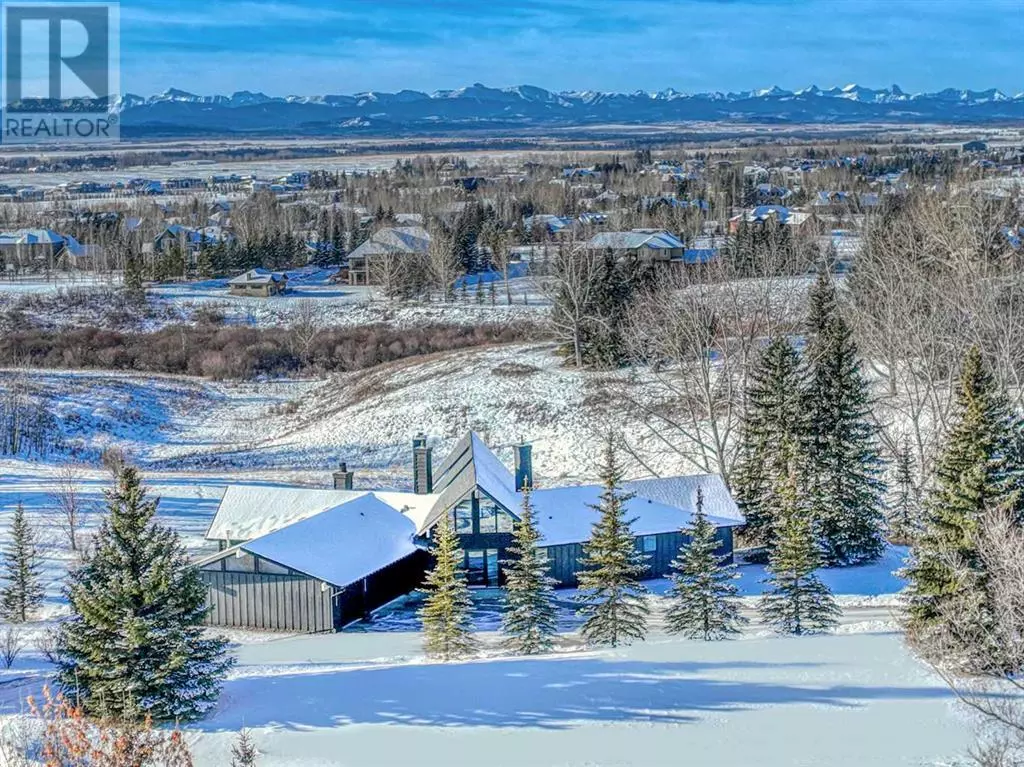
(649, 543)
(464, 518)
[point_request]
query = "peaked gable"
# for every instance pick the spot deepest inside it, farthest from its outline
(469, 466)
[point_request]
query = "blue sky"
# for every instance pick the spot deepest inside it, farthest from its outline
(345, 46)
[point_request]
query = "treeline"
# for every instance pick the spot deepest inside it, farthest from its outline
(242, 353)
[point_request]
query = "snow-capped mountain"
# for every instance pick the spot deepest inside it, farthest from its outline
(480, 106)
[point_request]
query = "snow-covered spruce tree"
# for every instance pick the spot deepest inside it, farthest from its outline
(21, 593)
(797, 601)
(530, 619)
(977, 470)
(842, 461)
(774, 416)
(446, 613)
(905, 508)
(703, 601)
(134, 645)
(613, 600)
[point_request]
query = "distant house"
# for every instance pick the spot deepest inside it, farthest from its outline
(188, 240)
(551, 224)
(704, 250)
(651, 244)
(763, 214)
(975, 146)
(301, 559)
(392, 241)
(770, 193)
(651, 204)
(258, 282)
(22, 248)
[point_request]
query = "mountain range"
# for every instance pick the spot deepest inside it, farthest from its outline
(480, 107)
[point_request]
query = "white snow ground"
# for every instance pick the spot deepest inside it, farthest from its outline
(367, 700)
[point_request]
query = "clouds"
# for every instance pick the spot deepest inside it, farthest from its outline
(318, 46)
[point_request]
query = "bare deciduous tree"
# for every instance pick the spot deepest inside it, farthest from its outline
(443, 264)
(698, 338)
(67, 497)
(571, 288)
(304, 329)
(10, 645)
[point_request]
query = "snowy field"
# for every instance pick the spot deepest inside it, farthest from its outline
(331, 304)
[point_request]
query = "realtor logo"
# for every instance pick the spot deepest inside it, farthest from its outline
(60, 72)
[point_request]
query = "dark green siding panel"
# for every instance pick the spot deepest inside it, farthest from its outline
(264, 601)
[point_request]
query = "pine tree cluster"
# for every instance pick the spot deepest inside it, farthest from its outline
(820, 406)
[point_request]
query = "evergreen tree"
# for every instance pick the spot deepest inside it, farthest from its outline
(822, 308)
(797, 602)
(843, 464)
(132, 281)
(243, 750)
(21, 594)
(614, 601)
(977, 470)
(703, 596)
(530, 619)
(446, 614)
(774, 417)
(134, 644)
(904, 511)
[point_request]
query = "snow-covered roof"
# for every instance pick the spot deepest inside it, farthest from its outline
(257, 277)
(566, 514)
(249, 511)
(395, 239)
(40, 237)
(634, 240)
(342, 544)
(682, 492)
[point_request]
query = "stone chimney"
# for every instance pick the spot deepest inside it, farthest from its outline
(342, 477)
(524, 466)
(422, 468)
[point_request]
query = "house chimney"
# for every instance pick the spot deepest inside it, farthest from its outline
(343, 477)
(422, 469)
(524, 466)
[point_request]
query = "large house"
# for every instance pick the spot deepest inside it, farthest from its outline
(300, 559)
(650, 244)
(37, 247)
(392, 241)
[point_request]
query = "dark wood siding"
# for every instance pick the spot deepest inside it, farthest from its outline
(565, 559)
(263, 601)
(298, 602)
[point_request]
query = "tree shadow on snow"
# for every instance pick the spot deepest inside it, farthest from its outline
(550, 693)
